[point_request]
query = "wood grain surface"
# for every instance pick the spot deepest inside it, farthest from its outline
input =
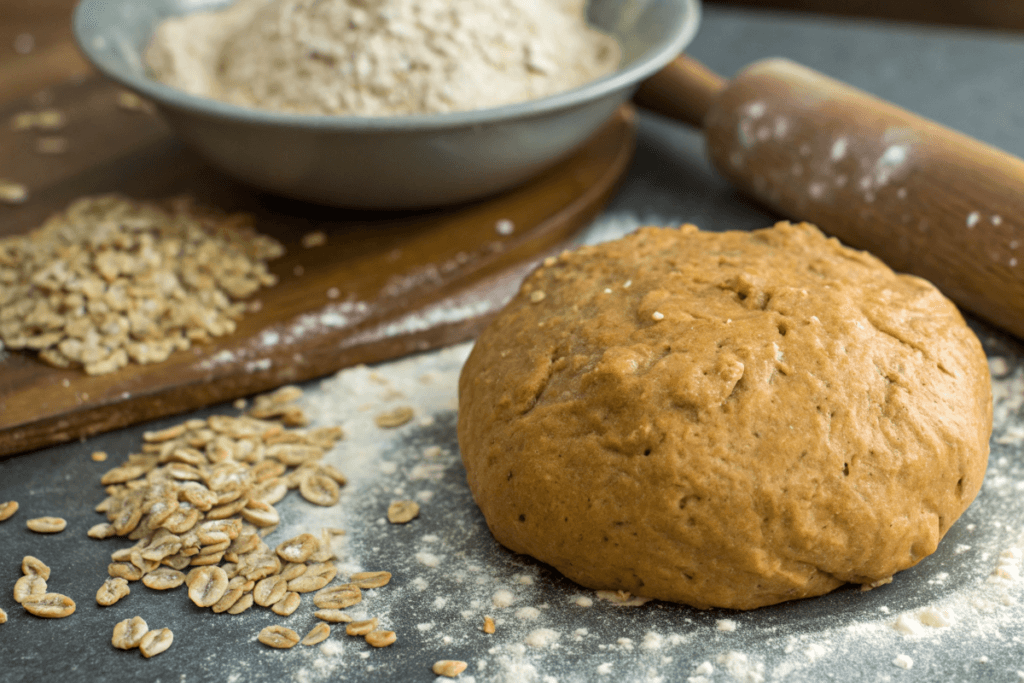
(404, 281)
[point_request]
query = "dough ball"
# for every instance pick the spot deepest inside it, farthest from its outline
(725, 419)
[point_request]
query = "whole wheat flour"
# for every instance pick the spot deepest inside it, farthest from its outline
(382, 57)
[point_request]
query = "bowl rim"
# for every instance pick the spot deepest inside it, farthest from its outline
(167, 96)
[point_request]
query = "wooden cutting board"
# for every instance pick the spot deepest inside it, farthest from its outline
(404, 282)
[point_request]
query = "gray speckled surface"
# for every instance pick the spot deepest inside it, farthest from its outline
(968, 80)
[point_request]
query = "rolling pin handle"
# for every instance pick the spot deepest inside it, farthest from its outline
(684, 90)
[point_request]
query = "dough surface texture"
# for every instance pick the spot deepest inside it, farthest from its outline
(724, 419)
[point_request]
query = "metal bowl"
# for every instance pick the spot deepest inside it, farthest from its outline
(395, 162)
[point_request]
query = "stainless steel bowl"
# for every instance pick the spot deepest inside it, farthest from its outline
(386, 162)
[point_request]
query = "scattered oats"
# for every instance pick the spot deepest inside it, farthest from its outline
(33, 565)
(99, 456)
(49, 605)
(488, 626)
(47, 525)
(394, 418)
(155, 642)
(449, 667)
(727, 625)
(537, 296)
(584, 601)
(52, 145)
(657, 315)
(111, 281)
(239, 404)
(128, 633)
(361, 628)
(8, 509)
(381, 638)
(402, 511)
(244, 603)
(317, 635)
(28, 586)
(112, 590)
(370, 579)
(163, 579)
(314, 239)
(335, 616)
(338, 597)
(278, 637)
(11, 193)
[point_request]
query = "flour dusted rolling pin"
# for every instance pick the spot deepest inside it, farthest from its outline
(925, 199)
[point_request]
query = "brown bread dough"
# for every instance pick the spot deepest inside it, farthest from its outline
(725, 419)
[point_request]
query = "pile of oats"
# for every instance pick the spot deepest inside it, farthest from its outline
(111, 280)
(200, 498)
(30, 592)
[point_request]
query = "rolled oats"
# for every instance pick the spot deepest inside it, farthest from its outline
(33, 565)
(370, 579)
(394, 418)
(112, 590)
(8, 509)
(269, 590)
(319, 489)
(124, 570)
(244, 603)
(361, 628)
(228, 600)
(111, 281)
(297, 549)
(334, 616)
(317, 635)
(293, 571)
(278, 637)
(101, 530)
(208, 586)
(155, 642)
(129, 633)
(30, 585)
(286, 605)
(402, 511)
(314, 578)
(49, 605)
(449, 668)
(163, 579)
(381, 638)
(47, 525)
(338, 597)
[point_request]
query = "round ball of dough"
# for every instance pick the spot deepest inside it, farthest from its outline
(724, 419)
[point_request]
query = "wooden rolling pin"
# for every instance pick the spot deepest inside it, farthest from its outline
(925, 199)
